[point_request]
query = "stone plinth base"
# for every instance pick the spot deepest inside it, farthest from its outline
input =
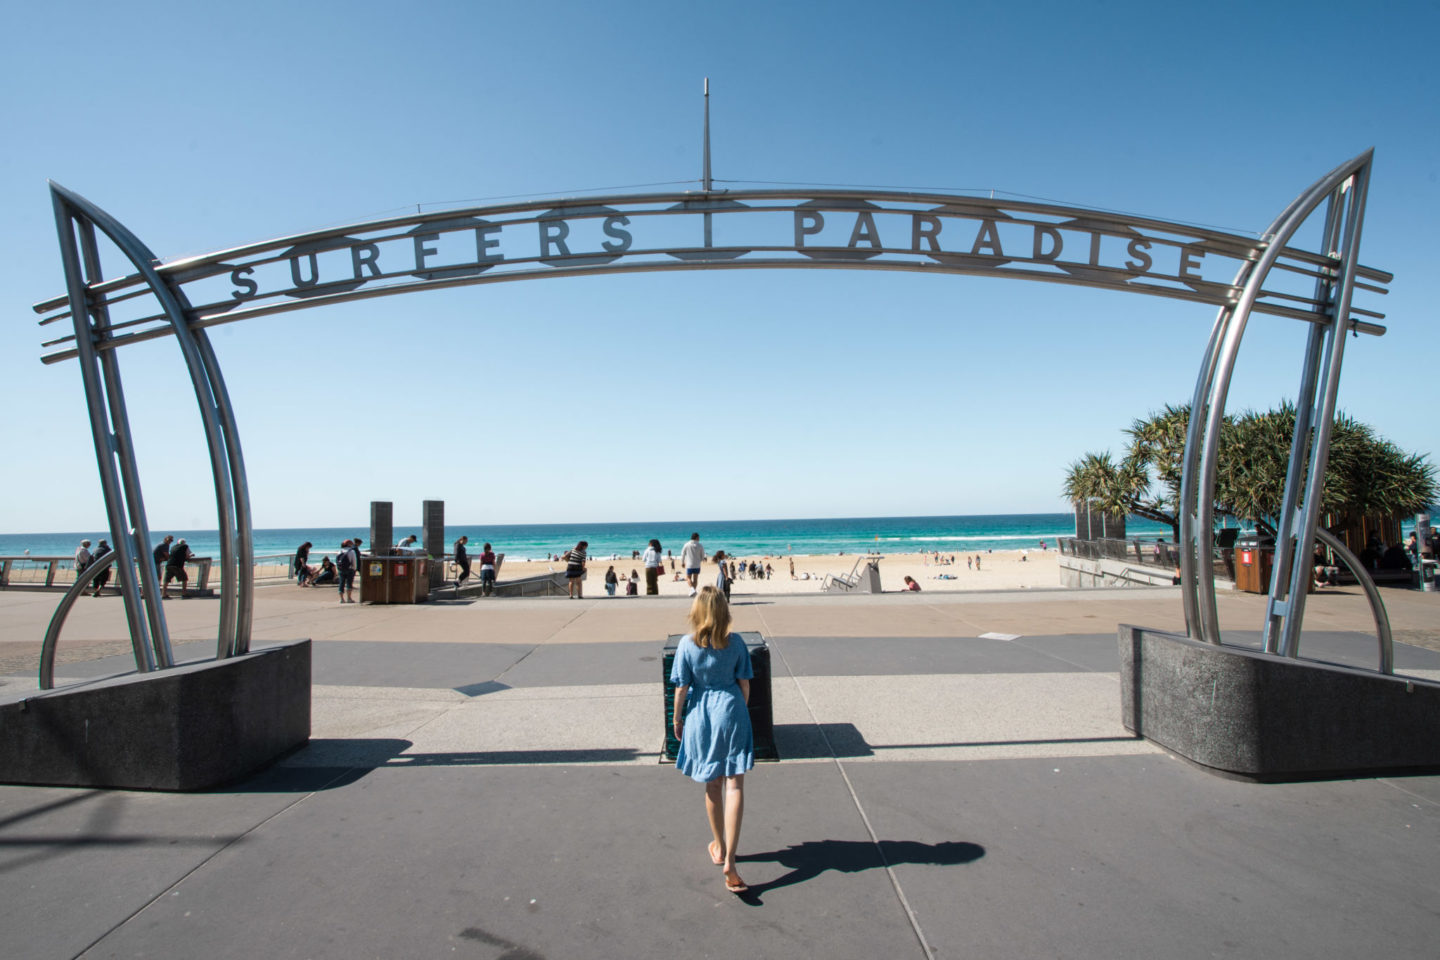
(191, 727)
(1260, 717)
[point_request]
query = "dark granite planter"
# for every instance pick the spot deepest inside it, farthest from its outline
(1260, 717)
(191, 727)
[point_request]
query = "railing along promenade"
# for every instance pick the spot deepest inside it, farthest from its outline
(1149, 553)
(58, 573)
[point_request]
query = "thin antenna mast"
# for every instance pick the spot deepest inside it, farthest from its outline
(705, 174)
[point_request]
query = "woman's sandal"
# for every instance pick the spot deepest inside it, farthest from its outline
(717, 856)
(733, 883)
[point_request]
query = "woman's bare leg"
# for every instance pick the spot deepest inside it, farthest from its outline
(734, 813)
(715, 813)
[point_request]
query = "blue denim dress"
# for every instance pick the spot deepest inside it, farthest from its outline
(716, 740)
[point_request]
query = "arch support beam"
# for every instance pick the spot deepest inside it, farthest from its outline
(112, 435)
(1298, 523)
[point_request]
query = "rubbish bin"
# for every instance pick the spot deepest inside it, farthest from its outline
(762, 717)
(1252, 566)
(394, 579)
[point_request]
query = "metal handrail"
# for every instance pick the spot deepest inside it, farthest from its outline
(83, 580)
(1372, 593)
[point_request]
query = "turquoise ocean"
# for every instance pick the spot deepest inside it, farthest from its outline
(744, 538)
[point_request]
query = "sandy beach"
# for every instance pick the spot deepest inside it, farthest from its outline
(1001, 570)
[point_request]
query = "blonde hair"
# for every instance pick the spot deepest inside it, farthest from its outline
(710, 619)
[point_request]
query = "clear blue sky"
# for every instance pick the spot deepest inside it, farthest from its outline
(805, 393)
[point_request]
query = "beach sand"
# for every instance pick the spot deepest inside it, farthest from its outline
(1001, 570)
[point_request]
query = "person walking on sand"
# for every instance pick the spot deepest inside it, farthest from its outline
(462, 560)
(611, 581)
(575, 570)
(691, 556)
(722, 582)
(712, 676)
(652, 560)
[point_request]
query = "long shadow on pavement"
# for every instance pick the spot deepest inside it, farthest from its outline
(813, 857)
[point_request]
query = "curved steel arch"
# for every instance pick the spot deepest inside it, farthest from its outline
(113, 445)
(395, 255)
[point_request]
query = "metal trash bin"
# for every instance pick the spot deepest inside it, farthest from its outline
(762, 716)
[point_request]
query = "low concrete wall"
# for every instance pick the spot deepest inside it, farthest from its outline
(1078, 572)
(194, 726)
(1264, 717)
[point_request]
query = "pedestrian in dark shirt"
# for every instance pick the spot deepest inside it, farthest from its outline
(302, 563)
(462, 560)
(103, 577)
(162, 553)
(175, 569)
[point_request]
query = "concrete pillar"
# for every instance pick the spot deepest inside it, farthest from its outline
(432, 522)
(382, 527)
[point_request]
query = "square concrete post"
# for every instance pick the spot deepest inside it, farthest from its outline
(432, 521)
(382, 527)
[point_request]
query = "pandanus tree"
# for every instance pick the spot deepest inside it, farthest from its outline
(1365, 474)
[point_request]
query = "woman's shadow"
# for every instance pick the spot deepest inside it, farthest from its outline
(810, 859)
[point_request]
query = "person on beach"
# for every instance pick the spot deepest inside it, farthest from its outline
(103, 577)
(792, 568)
(487, 570)
(611, 581)
(652, 560)
(302, 564)
(175, 570)
(712, 676)
(911, 585)
(462, 560)
(346, 564)
(691, 556)
(722, 582)
(575, 570)
(82, 557)
(632, 586)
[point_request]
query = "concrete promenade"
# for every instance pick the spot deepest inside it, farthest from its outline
(482, 781)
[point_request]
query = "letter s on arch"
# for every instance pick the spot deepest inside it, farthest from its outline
(1137, 249)
(239, 277)
(613, 227)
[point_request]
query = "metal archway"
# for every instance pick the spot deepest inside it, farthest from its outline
(721, 229)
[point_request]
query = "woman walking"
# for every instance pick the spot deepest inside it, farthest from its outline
(575, 570)
(652, 560)
(712, 722)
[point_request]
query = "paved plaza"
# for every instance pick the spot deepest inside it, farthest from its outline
(483, 781)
